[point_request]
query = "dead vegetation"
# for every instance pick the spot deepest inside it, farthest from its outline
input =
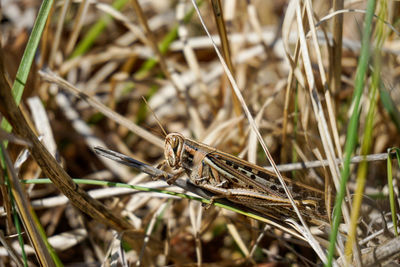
(94, 64)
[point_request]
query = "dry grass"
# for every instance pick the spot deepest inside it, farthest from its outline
(279, 81)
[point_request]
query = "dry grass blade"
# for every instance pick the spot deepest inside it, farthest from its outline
(337, 49)
(382, 253)
(195, 221)
(12, 138)
(149, 230)
(322, 163)
(90, 137)
(57, 38)
(42, 124)
(10, 250)
(337, 13)
(24, 210)
(53, 78)
(315, 100)
(192, 61)
(82, 11)
(5, 196)
(327, 93)
(103, 193)
(226, 51)
(238, 239)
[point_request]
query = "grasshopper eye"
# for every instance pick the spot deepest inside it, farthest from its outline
(173, 149)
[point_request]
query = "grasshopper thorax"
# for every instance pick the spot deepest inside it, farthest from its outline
(173, 149)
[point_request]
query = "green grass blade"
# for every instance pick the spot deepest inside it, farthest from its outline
(367, 136)
(152, 62)
(181, 195)
(19, 230)
(43, 235)
(94, 32)
(163, 46)
(18, 89)
(351, 137)
(28, 56)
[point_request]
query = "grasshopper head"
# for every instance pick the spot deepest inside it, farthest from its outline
(173, 149)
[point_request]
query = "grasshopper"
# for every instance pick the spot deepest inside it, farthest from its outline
(242, 182)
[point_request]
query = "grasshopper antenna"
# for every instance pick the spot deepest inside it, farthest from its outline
(155, 116)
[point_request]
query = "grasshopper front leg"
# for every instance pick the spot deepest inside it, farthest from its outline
(172, 179)
(169, 180)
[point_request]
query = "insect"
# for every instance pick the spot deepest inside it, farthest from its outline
(242, 182)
